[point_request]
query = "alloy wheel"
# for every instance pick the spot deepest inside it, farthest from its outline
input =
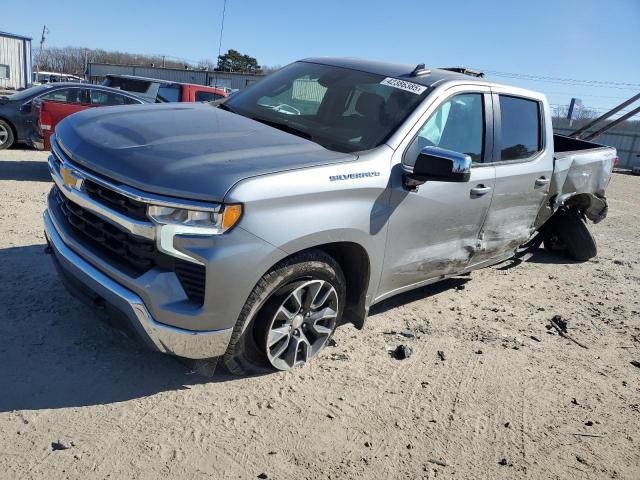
(302, 324)
(4, 134)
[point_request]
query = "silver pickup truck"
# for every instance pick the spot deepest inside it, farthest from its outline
(248, 230)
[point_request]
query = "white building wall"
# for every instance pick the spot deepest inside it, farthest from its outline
(14, 52)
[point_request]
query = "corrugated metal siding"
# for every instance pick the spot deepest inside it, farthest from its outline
(12, 53)
(625, 138)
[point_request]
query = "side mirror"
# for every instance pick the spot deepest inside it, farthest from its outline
(438, 165)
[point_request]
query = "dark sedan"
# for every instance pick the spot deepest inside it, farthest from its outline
(16, 121)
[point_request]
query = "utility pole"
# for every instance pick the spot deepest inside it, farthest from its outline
(224, 11)
(86, 63)
(163, 61)
(45, 30)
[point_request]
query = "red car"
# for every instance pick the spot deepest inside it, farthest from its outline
(46, 114)
(155, 90)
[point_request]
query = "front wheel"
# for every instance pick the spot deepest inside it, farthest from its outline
(290, 315)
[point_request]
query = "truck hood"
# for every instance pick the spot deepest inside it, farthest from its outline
(184, 150)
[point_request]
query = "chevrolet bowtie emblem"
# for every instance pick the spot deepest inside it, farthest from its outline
(71, 178)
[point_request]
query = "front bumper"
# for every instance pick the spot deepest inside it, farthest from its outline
(161, 337)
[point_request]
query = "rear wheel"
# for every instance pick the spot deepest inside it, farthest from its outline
(290, 315)
(6, 135)
(569, 231)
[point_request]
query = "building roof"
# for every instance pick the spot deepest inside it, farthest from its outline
(192, 70)
(14, 35)
(395, 70)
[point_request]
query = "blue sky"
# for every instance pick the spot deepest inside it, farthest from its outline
(569, 39)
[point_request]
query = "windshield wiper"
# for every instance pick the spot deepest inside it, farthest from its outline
(285, 127)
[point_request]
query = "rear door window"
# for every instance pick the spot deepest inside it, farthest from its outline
(520, 136)
(100, 97)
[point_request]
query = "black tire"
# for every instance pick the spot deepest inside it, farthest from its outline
(246, 353)
(572, 231)
(6, 135)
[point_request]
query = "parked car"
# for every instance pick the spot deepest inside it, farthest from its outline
(15, 112)
(48, 112)
(162, 91)
(251, 229)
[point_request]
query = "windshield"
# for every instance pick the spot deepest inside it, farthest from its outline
(339, 108)
(30, 92)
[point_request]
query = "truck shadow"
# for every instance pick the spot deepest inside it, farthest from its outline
(28, 170)
(56, 353)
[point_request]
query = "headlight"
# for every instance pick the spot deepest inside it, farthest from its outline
(176, 221)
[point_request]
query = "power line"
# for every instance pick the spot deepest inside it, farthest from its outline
(573, 94)
(566, 81)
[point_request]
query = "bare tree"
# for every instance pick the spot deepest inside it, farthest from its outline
(73, 59)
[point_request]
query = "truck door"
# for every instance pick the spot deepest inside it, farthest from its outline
(523, 161)
(434, 230)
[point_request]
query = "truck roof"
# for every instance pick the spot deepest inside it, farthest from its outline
(429, 78)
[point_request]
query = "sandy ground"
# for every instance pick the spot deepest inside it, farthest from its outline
(508, 388)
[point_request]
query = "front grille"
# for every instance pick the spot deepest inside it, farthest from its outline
(136, 255)
(131, 255)
(116, 201)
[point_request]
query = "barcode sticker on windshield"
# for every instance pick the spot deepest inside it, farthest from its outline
(404, 85)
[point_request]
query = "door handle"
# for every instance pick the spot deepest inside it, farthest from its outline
(542, 181)
(479, 190)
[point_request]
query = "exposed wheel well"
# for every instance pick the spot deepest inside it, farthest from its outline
(354, 261)
(581, 201)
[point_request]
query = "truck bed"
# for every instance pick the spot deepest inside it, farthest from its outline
(580, 168)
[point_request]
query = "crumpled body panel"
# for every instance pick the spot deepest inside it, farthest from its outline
(580, 177)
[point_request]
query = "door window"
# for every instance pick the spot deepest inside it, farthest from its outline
(99, 97)
(520, 128)
(68, 95)
(457, 125)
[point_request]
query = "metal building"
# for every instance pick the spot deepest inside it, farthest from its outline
(15, 61)
(97, 71)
